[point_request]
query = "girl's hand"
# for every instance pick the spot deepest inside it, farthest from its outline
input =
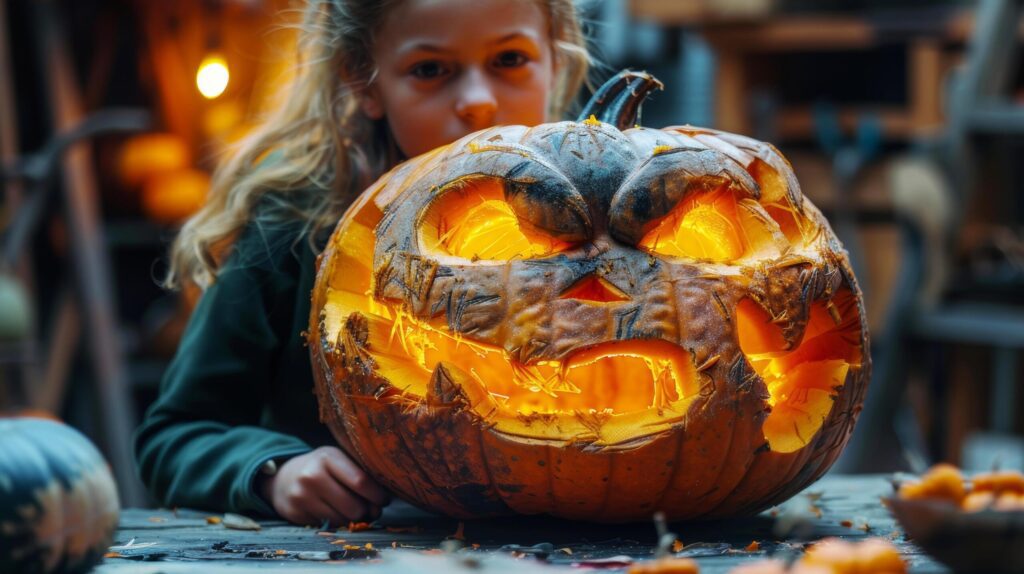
(324, 484)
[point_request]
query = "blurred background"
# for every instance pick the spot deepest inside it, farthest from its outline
(901, 118)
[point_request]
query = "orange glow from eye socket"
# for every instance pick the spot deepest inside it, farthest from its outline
(803, 381)
(714, 226)
(774, 198)
(702, 227)
(475, 222)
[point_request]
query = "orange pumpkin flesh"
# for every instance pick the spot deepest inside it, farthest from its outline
(591, 322)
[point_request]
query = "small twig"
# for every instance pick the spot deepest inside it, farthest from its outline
(665, 538)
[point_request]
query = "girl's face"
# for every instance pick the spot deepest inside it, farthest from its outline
(447, 68)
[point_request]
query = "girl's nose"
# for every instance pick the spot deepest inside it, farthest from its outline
(476, 104)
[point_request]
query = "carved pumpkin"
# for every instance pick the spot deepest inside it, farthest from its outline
(591, 320)
(58, 500)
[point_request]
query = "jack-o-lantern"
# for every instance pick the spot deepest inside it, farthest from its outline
(591, 320)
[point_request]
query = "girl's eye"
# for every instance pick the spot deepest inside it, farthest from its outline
(510, 59)
(428, 70)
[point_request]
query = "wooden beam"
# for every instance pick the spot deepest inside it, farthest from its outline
(925, 85)
(92, 267)
(13, 193)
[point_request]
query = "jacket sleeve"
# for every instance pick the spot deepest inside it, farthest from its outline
(200, 444)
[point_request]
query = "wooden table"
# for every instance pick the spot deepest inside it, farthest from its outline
(408, 540)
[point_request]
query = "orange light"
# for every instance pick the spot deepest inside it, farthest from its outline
(715, 226)
(702, 227)
(475, 222)
(213, 76)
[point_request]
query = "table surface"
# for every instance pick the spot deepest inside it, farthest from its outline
(407, 539)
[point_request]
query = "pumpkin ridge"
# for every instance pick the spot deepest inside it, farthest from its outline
(399, 430)
(368, 450)
(678, 462)
(360, 411)
(714, 484)
(488, 472)
(760, 498)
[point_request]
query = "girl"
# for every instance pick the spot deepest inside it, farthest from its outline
(236, 426)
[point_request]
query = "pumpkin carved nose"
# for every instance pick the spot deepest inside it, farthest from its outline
(595, 288)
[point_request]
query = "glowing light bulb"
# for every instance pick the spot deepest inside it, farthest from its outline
(212, 77)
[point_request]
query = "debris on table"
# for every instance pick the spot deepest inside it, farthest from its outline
(405, 534)
(239, 522)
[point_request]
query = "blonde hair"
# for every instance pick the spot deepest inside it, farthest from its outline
(321, 141)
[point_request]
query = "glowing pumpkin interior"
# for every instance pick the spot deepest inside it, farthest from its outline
(472, 220)
(638, 386)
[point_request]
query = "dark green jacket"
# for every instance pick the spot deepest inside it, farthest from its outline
(239, 392)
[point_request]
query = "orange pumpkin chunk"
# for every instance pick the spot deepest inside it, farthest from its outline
(999, 482)
(943, 481)
(999, 490)
(666, 566)
(872, 556)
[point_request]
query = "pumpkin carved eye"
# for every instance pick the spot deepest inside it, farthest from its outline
(473, 220)
(695, 203)
(714, 225)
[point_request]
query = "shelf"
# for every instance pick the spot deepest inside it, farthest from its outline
(978, 323)
(798, 122)
(924, 35)
(997, 119)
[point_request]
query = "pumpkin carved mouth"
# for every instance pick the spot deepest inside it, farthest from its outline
(612, 378)
(623, 383)
(645, 381)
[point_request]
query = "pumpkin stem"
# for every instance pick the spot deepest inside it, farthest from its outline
(618, 101)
